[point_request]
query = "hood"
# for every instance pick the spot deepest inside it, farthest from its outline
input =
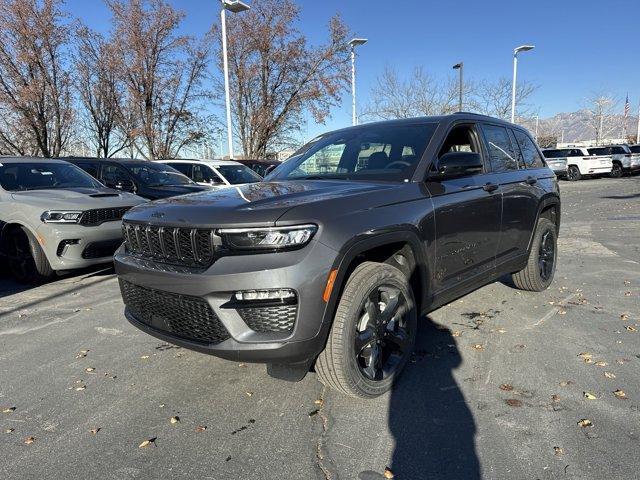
(76, 198)
(253, 204)
(165, 191)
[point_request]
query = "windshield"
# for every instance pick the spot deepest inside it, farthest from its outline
(236, 174)
(158, 174)
(377, 151)
(16, 177)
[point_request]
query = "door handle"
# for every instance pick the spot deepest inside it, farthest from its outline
(489, 187)
(531, 180)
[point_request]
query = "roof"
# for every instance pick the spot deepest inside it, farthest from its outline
(30, 160)
(208, 161)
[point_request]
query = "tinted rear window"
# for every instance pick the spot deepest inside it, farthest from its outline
(561, 153)
(598, 151)
(635, 149)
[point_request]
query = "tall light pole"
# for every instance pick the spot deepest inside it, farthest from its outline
(356, 42)
(537, 122)
(234, 6)
(521, 48)
(460, 67)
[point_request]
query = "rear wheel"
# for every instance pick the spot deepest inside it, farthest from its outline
(541, 266)
(373, 332)
(573, 173)
(616, 170)
(27, 262)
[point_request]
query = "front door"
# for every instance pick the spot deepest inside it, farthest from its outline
(467, 216)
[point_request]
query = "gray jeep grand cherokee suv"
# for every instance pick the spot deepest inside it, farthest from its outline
(332, 259)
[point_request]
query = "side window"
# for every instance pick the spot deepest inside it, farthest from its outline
(90, 168)
(325, 160)
(530, 153)
(184, 168)
(461, 138)
(114, 174)
(501, 153)
(204, 174)
(517, 150)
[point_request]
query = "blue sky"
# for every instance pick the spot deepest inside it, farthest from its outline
(582, 46)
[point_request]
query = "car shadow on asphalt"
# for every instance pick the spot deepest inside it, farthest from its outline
(431, 422)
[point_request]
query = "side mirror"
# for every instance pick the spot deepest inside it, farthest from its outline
(126, 186)
(457, 164)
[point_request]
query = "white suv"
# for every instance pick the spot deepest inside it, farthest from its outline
(580, 162)
(624, 159)
(218, 173)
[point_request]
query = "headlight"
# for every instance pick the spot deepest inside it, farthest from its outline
(268, 238)
(61, 216)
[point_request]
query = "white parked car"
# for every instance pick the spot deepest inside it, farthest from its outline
(623, 158)
(580, 162)
(218, 173)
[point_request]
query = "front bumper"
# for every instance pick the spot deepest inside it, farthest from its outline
(92, 244)
(305, 271)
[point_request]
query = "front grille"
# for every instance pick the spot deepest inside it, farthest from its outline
(191, 247)
(279, 318)
(99, 216)
(101, 249)
(183, 316)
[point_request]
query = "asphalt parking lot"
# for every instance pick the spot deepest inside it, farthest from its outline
(497, 387)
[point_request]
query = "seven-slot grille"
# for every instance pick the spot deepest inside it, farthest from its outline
(174, 245)
(100, 215)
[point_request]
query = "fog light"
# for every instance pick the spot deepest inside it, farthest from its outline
(276, 294)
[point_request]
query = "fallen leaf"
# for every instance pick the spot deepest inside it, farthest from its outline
(477, 346)
(388, 473)
(144, 357)
(242, 365)
(147, 443)
(565, 383)
(9, 430)
(501, 330)
(8, 409)
(631, 328)
(513, 402)
(456, 333)
(85, 351)
(627, 282)
(609, 375)
(319, 402)
(174, 419)
(161, 405)
(601, 364)
(558, 450)
(589, 396)
(29, 440)
(585, 422)
(89, 369)
(624, 316)
(506, 387)
(555, 398)
(588, 360)
(620, 394)
(562, 312)
(627, 294)
(80, 388)
(584, 355)
(94, 431)
(249, 394)
(201, 428)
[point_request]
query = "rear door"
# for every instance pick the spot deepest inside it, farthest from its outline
(467, 216)
(184, 168)
(516, 174)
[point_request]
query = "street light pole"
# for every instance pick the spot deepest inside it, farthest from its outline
(537, 121)
(235, 6)
(522, 48)
(460, 67)
(354, 43)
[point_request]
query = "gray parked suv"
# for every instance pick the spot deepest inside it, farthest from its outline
(55, 217)
(332, 259)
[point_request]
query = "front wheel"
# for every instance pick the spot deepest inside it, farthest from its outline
(541, 266)
(25, 257)
(616, 170)
(373, 332)
(573, 173)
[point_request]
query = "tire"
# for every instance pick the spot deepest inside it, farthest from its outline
(342, 365)
(573, 173)
(26, 259)
(616, 170)
(538, 274)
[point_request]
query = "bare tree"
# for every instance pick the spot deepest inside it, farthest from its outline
(35, 78)
(163, 73)
(420, 94)
(601, 118)
(101, 93)
(494, 98)
(276, 76)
